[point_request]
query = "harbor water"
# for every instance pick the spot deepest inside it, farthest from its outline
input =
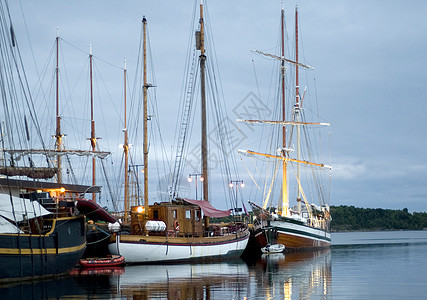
(359, 265)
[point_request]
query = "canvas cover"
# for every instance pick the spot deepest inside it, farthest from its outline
(208, 209)
(7, 227)
(22, 208)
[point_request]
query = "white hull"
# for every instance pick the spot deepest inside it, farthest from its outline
(146, 252)
(275, 248)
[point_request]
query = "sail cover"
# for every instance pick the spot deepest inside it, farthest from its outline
(22, 208)
(7, 227)
(208, 209)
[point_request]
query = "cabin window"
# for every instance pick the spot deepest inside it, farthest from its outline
(174, 213)
(197, 215)
(155, 214)
(188, 214)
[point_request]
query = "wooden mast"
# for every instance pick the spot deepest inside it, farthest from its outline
(204, 148)
(203, 108)
(285, 198)
(297, 109)
(144, 22)
(126, 150)
(58, 134)
(92, 122)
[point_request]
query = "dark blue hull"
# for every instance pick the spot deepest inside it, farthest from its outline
(31, 255)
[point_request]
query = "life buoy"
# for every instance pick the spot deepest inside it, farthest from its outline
(176, 225)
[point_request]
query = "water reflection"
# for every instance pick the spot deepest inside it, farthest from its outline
(183, 281)
(293, 276)
(363, 268)
(70, 287)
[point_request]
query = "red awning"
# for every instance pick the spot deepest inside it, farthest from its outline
(208, 209)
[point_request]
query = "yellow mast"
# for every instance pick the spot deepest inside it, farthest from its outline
(284, 158)
(285, 193)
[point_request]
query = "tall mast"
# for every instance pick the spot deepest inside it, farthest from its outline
(297, 109)
(285, 198)
(144, 22)
(126, 149)
(92, 122)
(58, 134)
(203, 107)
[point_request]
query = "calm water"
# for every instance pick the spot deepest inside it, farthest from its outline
(368, 265)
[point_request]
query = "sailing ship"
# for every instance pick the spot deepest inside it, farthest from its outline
(179, 229)
(306, 225)
(42, 232)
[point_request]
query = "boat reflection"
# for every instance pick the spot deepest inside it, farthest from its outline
(183, 281)
(299, 275)
(76, 286)
(98, 271)
(292, 276)
(305, 275)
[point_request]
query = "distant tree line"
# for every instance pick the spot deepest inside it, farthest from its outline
(346, 218)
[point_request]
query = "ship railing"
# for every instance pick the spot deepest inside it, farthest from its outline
(224, 229)
(318, 223)
(59, 207)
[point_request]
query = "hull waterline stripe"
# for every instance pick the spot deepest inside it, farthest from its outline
(301, 233)
(184, 244)
(6, 251)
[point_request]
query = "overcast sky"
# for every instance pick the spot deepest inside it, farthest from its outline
(368, 56)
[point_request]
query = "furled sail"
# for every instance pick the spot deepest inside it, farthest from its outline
(31, 172)
(53, 153)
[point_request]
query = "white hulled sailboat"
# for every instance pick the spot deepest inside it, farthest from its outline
(176, 230)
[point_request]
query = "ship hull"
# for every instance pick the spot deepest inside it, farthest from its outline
(146, 249)
(296, 236)
(28, 256)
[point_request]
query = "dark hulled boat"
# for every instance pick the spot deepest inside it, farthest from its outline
(27, 255)
(41, 233)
